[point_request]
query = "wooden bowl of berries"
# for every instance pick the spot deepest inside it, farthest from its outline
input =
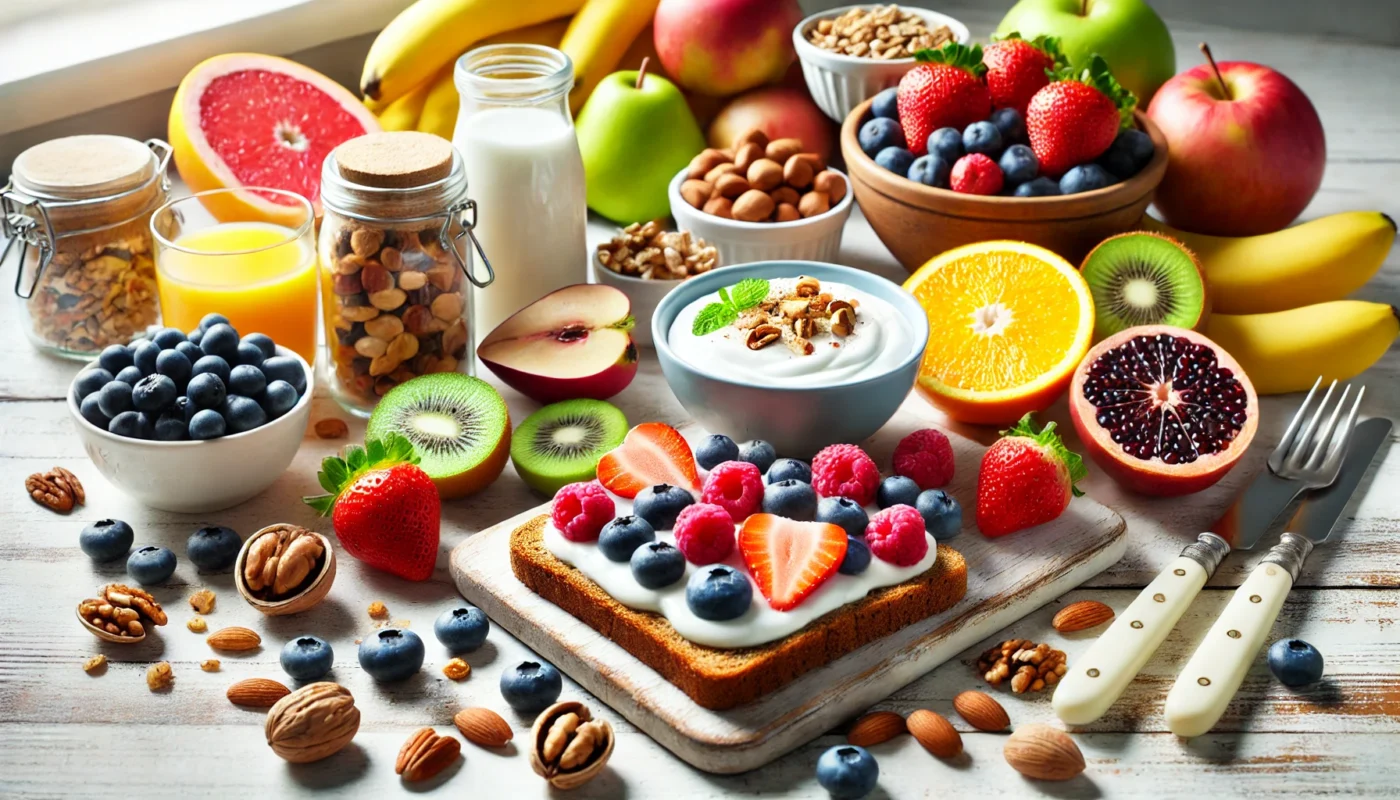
(1075, 168)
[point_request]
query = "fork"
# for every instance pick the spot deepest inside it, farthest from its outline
(1214, 673)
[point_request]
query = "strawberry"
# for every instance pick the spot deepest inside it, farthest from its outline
(789, 559)
(1077, 116)
(1017, 68)
(944, 90)
(384, 508)
(1027, 479)
(651, 453)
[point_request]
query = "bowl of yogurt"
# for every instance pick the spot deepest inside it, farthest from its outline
(826, 355)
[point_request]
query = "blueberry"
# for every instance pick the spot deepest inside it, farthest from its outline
(184, 408)
(462, 629)
(847, 772)
(886, 104)
(247, 380)
(531, 686)
(1009, 124)
(657, 565)
(279, 398)
(1040, 187)
(759, 453)
(718, 593)
(168, 338)
(897, 490)
(242, 413)
(941, 512)
(189, 350)
(249, 353)
(206, 390)
(211, 365)
(1085, 178)
(153, 392)
(660, 504)
(716, 449)
(391, 654)
(857, 556)
(844, 513)
(220, 340)
(145, 355)
(1136, 146)
(982, 137)
(150, 564)
(307, 658)
(175, 365)
(895, 159)
(115, 398)
(131, 425)
(170, 426)
(620, 538)
(114, 358)
(90, 381)
(129, 375)
(92, 411)
(1295, 662)
(946, 143)
(106, 540)
(207, 424)
(213, 547)
(789, 469)
(210, 320)
(792, 499)
(263, 343)
(195, 335)
(880, 133)
(1119, 163)
(285, 368)
(930, 170)
(1019, 165)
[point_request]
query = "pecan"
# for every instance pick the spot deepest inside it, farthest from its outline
(280, 560)
(425, 754)
(1030, 666)
(762, 336)
(51, 490)
(71, 482)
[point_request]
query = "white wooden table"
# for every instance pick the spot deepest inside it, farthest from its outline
(64, 733)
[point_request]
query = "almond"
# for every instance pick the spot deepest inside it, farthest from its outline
(1044, 753)
(695, 192)
(797, 172)
(935, 733)
(780, 150)
(720, 207)
(785, 194)
(707, 160)
(753, 206)
(752, 135)
(256, 693)
(981, 711)
(1081, 616)
(813, 203)
(832, 183)
(234, 638)
(787, 212)
(726, 168)
(731, 185)
(874, 728)
(483, 727)
(746, 155)
(765, 174)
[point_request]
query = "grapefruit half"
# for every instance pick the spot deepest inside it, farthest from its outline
(245, 119)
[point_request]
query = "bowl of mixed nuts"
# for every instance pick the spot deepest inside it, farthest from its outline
(645, 261)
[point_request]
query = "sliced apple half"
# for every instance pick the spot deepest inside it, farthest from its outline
(571, 343)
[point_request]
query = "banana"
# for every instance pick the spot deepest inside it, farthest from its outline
(439, 113)
(1325, 259)
(402, 114)
(430, 33)
(1285, 351)
(601, 32)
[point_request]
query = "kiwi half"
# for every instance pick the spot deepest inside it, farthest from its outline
(1143, 278)
(459, 425)
(562, 442)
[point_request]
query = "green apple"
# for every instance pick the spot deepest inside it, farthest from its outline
(635, 134)
(1127, 33)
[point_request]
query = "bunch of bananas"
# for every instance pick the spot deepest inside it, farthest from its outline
(1278, 298)
(407, 80)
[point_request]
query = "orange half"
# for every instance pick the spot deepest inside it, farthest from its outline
(1008, 323)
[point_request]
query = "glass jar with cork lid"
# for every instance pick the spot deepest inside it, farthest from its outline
(76, 213)
(396, 273)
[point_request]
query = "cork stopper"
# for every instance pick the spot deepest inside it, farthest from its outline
(83, 167)
(395, 159)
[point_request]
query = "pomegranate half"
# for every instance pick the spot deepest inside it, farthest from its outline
(1162, 410)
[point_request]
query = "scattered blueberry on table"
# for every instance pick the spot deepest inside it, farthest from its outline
(213, 547)
(1295, 662)
(531, 686)
(462, 629)
(391, 654)
(150, 565)
(307, 658)
(106, 540)
(847, 772)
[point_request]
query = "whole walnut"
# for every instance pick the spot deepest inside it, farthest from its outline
(313, 722)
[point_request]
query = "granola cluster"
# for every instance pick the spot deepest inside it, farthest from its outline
(795, 317)
(100, 289)
(883, 32)
(648, 251)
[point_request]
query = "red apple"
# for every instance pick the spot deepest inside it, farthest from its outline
(781, 112)
(722, 47)
(571, 343)
(1245, 149)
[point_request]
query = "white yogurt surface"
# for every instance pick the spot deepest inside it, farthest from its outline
(881, 340)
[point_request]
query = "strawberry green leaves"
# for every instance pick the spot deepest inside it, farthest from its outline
(339, 472)
(1051, 442)
(957, 55)
(740, 297)
(1097, 75)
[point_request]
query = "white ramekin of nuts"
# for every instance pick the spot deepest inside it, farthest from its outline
(645, 261)
(850, 54)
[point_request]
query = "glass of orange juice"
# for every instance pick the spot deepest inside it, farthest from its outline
(257, 271)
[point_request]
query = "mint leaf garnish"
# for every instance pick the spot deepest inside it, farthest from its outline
(746, 294)
(713, 317)
(749, 293)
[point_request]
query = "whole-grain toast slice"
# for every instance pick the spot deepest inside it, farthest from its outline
(717, 678)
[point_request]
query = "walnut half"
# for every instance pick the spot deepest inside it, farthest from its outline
(280, 560)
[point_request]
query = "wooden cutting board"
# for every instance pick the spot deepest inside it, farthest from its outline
(1007, 579)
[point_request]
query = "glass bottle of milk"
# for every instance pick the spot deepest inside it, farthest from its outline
(525, 172)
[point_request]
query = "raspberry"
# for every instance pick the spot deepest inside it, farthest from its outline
(705, 533)
(897, 535)
(927, 457)
(581, 510)
(735, 486)
(976, 174)
(844, 470)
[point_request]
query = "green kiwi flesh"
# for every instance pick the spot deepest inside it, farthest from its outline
(455, 422)
(1143, 278)
(562, 442)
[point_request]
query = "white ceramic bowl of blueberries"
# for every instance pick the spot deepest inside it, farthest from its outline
(193, 422)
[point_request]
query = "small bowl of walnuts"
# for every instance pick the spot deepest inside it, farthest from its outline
(645, 261)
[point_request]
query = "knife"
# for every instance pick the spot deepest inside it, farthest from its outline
(1213, 675)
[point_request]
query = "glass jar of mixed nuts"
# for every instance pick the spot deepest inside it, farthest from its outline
(77, 212)
(395, 270)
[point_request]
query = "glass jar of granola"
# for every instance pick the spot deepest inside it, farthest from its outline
(395, 269)
(77, 214)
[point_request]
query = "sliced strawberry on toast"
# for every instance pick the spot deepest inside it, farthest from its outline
(651, 453)
(789, 559)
